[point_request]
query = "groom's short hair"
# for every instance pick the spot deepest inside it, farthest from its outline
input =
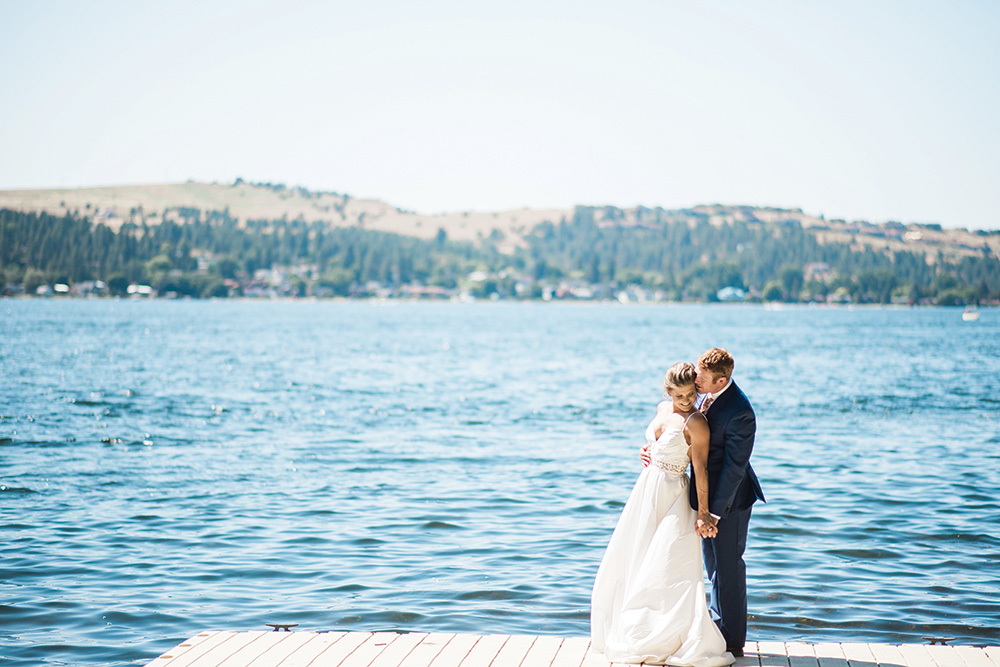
(718, 362)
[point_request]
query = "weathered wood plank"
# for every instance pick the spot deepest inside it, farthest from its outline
(772, 654)
(429, 648)
(396, 653)
(280, 651)
(916, 655)
(887, 654)
(326, 651)
(801, 654)
(249, 652)
(391, 649)
(974, 657)
(542, 652)
(455, 651)
(227, 649)
(751, 656)
(858, 654)
(363, 655)
(572, 652)
(182, 648)
(513, 651)
(195, 653)
(594, 659)
(830, 655)
(484, 651)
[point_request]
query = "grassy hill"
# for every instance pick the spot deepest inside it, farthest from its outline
(221, 239)
(244, 201)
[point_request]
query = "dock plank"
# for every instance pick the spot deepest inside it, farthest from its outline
(751, 656)
(974, 657)
(917, 655)
(398, 651)
(429, 648)
(455, 651)
(484, 651)
(280, 651)
(542, 652)
(251, 651)
(188, 657)
(858, 654)
(182, 648)
(572, 652)
(772, 654)
(801, 654)
(594, 659)
(226, 648)
(887, 654)
(221, 652)
(326, 650)
(514, 650)
(830, 655)
(365, 654)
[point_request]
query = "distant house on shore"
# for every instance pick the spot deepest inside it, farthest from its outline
(731, 294)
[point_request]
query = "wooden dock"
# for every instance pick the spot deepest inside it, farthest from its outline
(417, 649)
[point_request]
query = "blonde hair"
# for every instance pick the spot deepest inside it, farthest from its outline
(718, 362)
(680, 374)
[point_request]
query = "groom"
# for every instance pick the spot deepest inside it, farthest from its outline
(732, 490)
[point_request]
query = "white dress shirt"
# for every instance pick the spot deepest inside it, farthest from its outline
(716, 395)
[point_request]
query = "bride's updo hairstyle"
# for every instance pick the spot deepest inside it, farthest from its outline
(679, 375)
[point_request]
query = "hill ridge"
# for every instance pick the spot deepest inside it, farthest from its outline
(245, 200)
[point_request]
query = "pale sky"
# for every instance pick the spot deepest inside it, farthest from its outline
(856, 109)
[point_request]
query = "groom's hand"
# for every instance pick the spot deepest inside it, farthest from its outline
(644, 456)
(706, 525)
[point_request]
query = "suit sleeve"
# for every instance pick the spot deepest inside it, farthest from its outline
(738, 442)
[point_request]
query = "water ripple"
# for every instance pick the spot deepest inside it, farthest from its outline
(335, 465)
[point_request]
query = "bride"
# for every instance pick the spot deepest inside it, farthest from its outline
(648, 603)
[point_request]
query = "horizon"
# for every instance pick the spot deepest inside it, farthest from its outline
(860, 111)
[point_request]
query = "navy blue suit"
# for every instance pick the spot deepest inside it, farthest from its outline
(732, 490)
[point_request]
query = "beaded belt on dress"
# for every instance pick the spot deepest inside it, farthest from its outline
(666, 466)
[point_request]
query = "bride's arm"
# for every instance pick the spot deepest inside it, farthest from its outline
(697, 432)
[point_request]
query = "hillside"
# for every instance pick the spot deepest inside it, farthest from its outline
(209, 239)
(244, 201)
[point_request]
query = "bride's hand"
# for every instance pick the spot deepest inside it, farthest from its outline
(644, 456)
(706, 526)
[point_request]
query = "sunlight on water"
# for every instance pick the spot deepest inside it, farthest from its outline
(171, 467)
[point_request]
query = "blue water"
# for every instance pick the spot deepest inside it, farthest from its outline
(171, 467)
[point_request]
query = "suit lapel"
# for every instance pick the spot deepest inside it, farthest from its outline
(722, 401)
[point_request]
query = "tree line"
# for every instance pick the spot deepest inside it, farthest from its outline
(678, 254)
(684, 254)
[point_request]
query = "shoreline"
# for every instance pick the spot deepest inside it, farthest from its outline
(770, 305)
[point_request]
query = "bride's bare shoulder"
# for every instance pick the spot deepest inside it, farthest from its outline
(697, 417)
(663, 406)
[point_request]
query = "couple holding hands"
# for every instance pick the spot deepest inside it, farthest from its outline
(648, 603)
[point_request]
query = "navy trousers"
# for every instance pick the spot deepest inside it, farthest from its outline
(727, 574)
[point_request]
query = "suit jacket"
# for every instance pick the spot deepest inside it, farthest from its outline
(732, 483)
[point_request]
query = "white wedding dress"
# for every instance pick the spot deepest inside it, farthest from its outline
(648, 603)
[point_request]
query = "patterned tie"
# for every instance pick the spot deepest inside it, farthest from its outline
(707, 403)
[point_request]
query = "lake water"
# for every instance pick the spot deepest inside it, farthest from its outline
(171, 467)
